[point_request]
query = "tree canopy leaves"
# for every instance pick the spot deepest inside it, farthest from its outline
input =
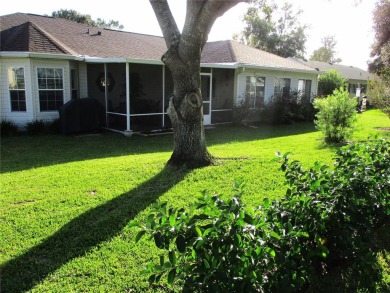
(275, 29)
(86, 19)
(381, 47)
(326, 53)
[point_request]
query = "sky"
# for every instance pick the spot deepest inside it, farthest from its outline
(350, 24)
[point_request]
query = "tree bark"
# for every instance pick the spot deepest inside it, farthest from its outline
(183, 59)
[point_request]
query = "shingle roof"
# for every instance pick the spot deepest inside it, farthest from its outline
(249, 55)
(44, 34)
(30, 38)
(345, 71)
(86, 41)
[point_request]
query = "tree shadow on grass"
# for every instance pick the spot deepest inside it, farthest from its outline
(25, 152)
(83, 233)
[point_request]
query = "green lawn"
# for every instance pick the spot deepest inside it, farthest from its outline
(66, 201)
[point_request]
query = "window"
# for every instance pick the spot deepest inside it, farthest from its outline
(255, 90)
(304, 88)
(17, 89)
(282, 87)
(363, 88)
(51, 88)
(352, 88)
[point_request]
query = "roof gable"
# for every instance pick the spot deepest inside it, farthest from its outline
(28, 37)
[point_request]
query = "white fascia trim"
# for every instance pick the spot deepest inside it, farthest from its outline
(313, 71)
(220, 65)
(89, 59)
(103, 60)
(14, 54)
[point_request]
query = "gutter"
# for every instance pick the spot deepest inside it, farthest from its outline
(15, 54)
(89, 59)
(254, 66)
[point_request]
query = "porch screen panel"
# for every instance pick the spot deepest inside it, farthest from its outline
(146, 90)
(146, 122)
(146, 97)
(116, 85)
(222, 96)
(168, 86)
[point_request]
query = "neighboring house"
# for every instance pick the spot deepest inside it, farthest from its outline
(357, 78)
(46, 62)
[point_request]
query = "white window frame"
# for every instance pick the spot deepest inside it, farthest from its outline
(55, 87)
(303, 92)
(282, 90)
(16, 87)
(252, 92)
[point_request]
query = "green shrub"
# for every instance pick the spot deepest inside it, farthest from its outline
(37, 127)
(329, 82)
(40, 127)
(336, 116)
(287, 109)
(339, 209)
(216, 247)
(326, 217)
(241, 110)
(380, 92)
(8, 128)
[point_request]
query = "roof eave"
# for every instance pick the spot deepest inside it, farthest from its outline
(17, 54)
(255, 66)
(233, 65)
(90, 59)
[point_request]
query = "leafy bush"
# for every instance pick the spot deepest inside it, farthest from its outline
(8, 128)
(327, 216)
(340, 208)
(241, 110)
(286, 109)
(380, 92)
(336, 116)
(40, 127)
(216, 247)
(329, 82)
(36, 127)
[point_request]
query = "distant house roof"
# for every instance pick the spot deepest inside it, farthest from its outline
(345, 71)
(22, 32)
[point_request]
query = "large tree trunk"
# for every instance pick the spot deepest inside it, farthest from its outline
(186, 113)
(183, 59)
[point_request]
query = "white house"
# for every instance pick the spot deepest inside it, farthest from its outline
(45, 62)
(357, 78)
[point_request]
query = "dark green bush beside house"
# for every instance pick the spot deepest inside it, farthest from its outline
(8, 128)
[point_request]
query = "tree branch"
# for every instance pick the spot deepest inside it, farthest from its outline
(166, 21)
(200, 17)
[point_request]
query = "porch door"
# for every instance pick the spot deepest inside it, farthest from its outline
(206, 95)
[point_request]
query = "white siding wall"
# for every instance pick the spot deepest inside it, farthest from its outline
(49, 63)
(19, 118)
(31, 84)
(270, 81)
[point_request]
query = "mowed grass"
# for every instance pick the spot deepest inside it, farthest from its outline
(66, 201)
